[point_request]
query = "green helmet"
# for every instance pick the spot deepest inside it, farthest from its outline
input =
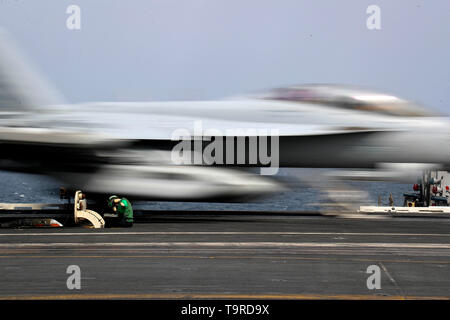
(111, 199)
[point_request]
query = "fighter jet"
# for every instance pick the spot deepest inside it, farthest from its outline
(204, 150)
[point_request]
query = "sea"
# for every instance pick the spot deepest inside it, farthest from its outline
(32, 188)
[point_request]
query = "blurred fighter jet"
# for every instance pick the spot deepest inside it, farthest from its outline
(127, 148)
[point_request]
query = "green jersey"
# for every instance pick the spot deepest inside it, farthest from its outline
(125, 210)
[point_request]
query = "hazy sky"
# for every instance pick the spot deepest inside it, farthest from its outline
(207, 49)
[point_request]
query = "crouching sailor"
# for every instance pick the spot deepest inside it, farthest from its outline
(123, 208)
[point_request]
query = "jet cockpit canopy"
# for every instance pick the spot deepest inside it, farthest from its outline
(347, 97)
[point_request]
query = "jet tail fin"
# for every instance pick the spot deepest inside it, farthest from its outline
(22, 88)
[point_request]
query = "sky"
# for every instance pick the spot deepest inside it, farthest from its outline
(139, 50)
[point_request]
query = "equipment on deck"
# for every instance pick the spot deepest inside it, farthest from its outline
(81, 212)
(432, 190)
(49, 215)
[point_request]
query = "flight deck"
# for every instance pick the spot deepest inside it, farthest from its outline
(233, 255)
